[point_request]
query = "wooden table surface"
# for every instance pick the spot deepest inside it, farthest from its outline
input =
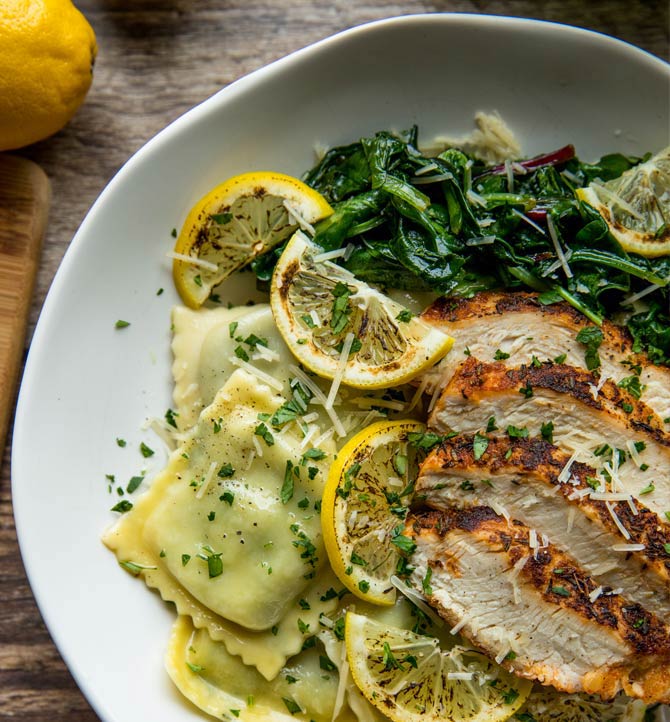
(157, 58)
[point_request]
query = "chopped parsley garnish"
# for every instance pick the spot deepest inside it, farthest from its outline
(121, 324)
(341, 310)
(591, 337)
(286, 493)
(514, 432)
(241, 353)
(123, 506)
(308, 320)
(632, 385)
(214, 563)
(232, 327)
(510, 696)
(134, 482)
(326, 664)
(221, 218)
(195, 668)
(226, 471)
(303, 628)
(228, 497)
(364, 586)
(405, 316)
(265, 433)
(146, 451)
(356, 559)
(560, 590)
(170, 418)
(526, 390)
(561, 359)
(547, 432)
(313, 454)
(292, 706)
(424, 441)
(185, 559)
(648, 489)
(425, 582)
(479, 446)
(491, 425)
(121, 442)
(134, 568)
(328, 594)
(338, 628)
(500, 355)
(404, 543)
(211, 516)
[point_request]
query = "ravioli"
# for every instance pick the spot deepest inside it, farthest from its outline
(209, 344)
(222, 686)
(230, 533)
(205, 341)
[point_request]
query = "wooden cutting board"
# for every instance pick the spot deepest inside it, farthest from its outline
(24, 202)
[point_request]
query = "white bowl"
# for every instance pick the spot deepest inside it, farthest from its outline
(86, 383)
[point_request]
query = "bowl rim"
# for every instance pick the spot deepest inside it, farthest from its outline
(208, 106)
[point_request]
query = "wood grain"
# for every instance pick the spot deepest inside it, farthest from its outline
(24, 204)
(158, 58)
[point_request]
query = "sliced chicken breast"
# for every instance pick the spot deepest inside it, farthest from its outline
(493, 324)
(533, 613)
(622, 544)
(605, 427)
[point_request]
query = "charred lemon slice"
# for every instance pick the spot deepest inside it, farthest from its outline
(364, 504)
(636, 206)
(341, 328)
(412, 679)
(234, 223)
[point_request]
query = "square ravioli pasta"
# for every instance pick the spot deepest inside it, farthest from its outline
(229, 532)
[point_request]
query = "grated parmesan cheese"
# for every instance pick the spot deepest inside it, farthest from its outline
(595, 594)
(528, 220)
(206, 481)
(510, 175)
(318, 397)
(617, 521)
(559, 251)
(198, 262)
(328, 255)
(295, 214)
(261, 375)
(257, 446)
(640, 294)
(628, 547)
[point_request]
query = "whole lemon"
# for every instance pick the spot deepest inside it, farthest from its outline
(47, 50)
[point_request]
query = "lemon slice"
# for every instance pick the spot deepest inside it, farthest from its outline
(341, 328)
(234, 223)
(364, 505)
(545, 704)
(412, 679)
(636, 206)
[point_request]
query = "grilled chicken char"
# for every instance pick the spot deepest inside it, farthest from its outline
(496, 323)
(534, 611)
(525, 479)
(603, 424)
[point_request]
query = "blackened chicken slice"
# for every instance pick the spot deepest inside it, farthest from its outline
(516, 328)
(534, 613)
(606, 427)
(617, 540)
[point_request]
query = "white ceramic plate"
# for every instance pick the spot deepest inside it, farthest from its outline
(86, 383)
